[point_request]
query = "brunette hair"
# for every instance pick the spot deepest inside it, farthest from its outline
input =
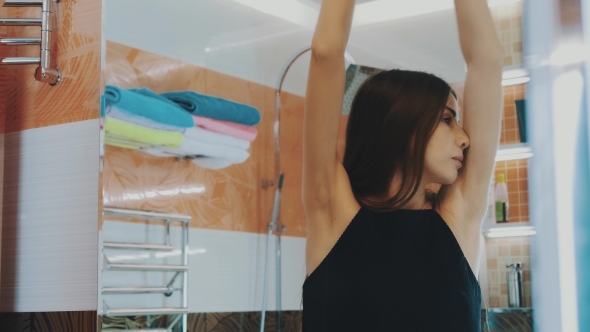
(393, 115)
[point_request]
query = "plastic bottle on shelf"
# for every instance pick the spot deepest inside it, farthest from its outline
(501, 199)
(490, 218)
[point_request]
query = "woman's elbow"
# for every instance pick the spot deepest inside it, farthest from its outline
(322, 49)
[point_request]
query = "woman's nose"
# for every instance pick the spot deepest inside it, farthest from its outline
(463, 139)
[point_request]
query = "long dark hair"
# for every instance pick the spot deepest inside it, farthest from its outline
(392, 118)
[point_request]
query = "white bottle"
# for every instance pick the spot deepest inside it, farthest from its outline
(501, 199)
(490, 218)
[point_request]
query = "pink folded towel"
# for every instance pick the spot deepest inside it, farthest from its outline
(226, 127)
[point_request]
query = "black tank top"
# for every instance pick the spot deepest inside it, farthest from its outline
(394, 271)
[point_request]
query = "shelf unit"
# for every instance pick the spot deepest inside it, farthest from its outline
(514, 152)
(110, 213)
(110, 138)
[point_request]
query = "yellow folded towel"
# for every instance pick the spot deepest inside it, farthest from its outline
(128, 131)
(124, 143)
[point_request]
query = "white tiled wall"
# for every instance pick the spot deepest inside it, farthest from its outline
(226, 269)
(50, 219)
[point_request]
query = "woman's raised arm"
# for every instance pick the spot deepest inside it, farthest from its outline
(482, 110)
(323, 103)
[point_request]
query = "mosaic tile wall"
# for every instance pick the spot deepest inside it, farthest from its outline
(508, 19)
(233, 198)
(517, 182)
(504, 251)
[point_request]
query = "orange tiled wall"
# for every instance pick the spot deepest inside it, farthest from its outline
(28, 104)
(508, 19)
(228, 199)
(515, 171)
(510, 132)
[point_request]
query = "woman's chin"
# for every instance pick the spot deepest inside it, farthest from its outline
(449, 180)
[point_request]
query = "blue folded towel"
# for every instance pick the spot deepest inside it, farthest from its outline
(215, 108)
(148, 104)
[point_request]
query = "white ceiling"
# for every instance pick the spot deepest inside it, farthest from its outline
(235, 39)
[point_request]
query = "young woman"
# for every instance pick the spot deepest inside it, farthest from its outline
(385, 253)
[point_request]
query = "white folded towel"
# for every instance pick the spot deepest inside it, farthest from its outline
(205, 162)
(115, 112)
(212, 163)
(191, 147)
(157, 152)
(203, 135)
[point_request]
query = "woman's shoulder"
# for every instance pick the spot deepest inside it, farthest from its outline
(453, 214)
(325, 227)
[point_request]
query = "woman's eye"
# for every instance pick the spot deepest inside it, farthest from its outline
(447, 120)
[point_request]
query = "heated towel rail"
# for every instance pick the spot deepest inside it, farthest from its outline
(182, 270)
(43, 73)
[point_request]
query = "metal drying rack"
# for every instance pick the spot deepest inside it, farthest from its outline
(168, 289)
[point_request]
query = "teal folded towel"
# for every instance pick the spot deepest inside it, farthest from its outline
(215, 108)
(148, 104)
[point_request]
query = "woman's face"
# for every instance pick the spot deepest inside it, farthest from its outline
(448, 141)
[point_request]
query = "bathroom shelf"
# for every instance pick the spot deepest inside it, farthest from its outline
(131, 290)
(514, 152)
(147, 267)
(509, 229)
(141, 146)
(137, 246)
(155, 311)
(119, 214)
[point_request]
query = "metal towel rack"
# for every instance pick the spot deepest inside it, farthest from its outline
(43, 73)
(168, 289)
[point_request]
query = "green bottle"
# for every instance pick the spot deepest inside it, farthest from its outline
(501, 199)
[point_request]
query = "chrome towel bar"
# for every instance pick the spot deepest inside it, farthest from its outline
(23, 3)
(44, 72)
(20, 21)
(19, 61)
(20, 41)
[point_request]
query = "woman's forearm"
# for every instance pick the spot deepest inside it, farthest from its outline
(478, 36)
(333, 27)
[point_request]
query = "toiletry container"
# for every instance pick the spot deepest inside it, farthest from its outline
(490, 218)
(501, 198)
(514, 279)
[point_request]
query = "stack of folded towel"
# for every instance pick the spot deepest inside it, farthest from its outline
(213, 132)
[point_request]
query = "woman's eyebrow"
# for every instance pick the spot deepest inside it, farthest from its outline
(452, 111)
